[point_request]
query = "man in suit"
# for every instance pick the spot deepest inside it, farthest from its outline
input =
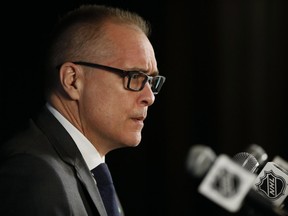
(101, 78)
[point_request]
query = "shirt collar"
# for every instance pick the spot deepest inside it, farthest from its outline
(88, 151)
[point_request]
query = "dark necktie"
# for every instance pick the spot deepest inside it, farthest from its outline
(106, 188)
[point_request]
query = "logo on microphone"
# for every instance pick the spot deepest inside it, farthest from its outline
(272, 185)
(226, 183)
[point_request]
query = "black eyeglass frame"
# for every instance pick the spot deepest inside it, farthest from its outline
(129, 74)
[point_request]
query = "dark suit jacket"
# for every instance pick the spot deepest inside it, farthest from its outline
(43, 173)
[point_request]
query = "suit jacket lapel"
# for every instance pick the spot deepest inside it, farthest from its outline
(68, 151)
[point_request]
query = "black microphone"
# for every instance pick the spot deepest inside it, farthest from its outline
(272, 179)
(284, 165)
(271, 183)
(281, 162)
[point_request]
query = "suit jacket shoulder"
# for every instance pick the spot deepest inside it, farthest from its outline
(42, 172)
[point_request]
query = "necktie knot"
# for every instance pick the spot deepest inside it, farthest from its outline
(102, 175)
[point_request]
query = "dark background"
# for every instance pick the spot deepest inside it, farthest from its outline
(226, 68)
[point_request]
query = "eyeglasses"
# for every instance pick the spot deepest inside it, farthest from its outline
(134, 80)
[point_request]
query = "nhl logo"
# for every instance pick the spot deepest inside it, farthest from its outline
(271, 185)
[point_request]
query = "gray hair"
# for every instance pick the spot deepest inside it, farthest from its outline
(75, 32)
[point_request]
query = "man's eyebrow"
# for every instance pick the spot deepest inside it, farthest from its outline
(154, 73)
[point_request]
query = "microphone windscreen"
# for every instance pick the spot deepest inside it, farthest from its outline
(200, 159)
(258, 152)
(247, 161)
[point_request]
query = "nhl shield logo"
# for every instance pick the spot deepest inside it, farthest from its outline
(271, 185)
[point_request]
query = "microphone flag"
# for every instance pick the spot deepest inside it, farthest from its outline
(227, 183)
(272, 183)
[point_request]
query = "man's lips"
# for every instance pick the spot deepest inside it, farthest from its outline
(139, 118)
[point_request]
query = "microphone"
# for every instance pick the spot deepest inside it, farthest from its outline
(284, 165)
(200, 158)
(247, 161)
(272, 184)
(272, 179)
(259, 153)
(229, 182)
(281, 162)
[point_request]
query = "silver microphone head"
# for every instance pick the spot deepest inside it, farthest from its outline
(200, 159)
(258, 152)
(247, 161)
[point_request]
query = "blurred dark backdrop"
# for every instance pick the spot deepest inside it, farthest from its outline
(226, 68)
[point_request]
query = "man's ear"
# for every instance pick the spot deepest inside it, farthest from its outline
(70, 79)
